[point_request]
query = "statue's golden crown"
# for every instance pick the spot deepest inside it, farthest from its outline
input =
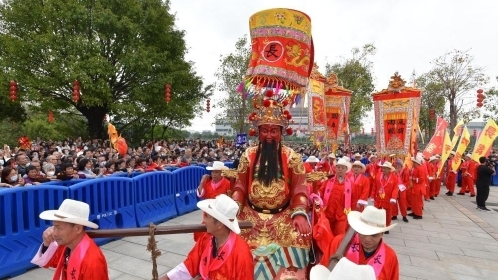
(270, 108)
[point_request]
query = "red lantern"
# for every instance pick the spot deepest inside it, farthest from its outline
(480, 91)
(252, 132)
(479, 104)
(76, 91)
(373, 131)
(167, 93)
(13, 90)
(50, 116)
(474, 133)
(432, 113)
(289, 131)
(208, 105)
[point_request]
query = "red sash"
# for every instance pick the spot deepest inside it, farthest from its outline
(208, 263)
(376, 261)
(216, 185)
(75, 259)
(382, 190)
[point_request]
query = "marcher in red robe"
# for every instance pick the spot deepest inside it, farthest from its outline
(418, 189)
(372, 169)
(67, 247)
(220, 253)
(310, 164)
(361, 184)
(385, 192)
(403, 180)
(468, 168)
(367, 246)
(450, 175)
(212, 185)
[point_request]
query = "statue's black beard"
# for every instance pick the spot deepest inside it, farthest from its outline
(270, 160)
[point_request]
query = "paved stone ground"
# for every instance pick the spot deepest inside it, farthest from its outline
(454, 240)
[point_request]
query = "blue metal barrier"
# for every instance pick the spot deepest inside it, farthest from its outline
(126, 175)
(111, 200)
(171, 168)
(203, 165)
(66, 183)
(229, 164)
(154, 197)
(365, 161)
(21, 228)
(185, 183)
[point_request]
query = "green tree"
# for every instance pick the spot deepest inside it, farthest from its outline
(491, 104)
(458, 76)
(230, 73)
(11, 110)
(355, 74)
(121, 51)
(432, 98)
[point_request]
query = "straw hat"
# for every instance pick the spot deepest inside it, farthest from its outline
(223, 209)
(217, 165)
(331, 155)
(357, 155)
(312, 159)
(359, 163)
(387, 164)
(372, 156)
(70, 211)
(344, 162)
(369, 222)
(344, 270)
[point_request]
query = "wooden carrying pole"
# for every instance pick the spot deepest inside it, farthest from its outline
(341, 250)
(159, 230)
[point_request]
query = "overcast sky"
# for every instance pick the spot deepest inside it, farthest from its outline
(408, 35)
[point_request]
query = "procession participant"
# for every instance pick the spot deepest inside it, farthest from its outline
(372, 169)
(361, 183)
(212, 185)
(339, 196)
(310, 164)
(220, 253)
(451, 175)
(357, 157)
(417, 177)
(272, 193)
(425, 167)
(67, 247)
(367, 246)
(331, 163)
(432, 172)
(468, 168)
(385, 191)
(403, 180)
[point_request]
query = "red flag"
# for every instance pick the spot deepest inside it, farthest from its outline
(435, 146)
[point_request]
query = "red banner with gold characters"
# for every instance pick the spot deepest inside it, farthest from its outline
(396, 112)
(337, 102)
(316, 103)
(435, 146)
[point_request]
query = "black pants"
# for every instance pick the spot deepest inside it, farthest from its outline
(482, 195)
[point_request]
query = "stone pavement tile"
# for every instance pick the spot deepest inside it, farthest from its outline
(453, 243)
(473, 239)
(443, 267)
(170, 260)
(402, 277)
(483, 235)
(393, 240)
(472, 228)
(449, 221)
(487, 273)
(176, 237)
(428, 224)
(136, 267)
(429, 254)
(480, 254)
(113, 274)
(427, 233)
(420, 273)
(142, 240)
(181, 248)
(133, 249)
(456, 276)
(36, 274)
(407, 236)
(113, 244)
(403, 259)
(130, 277)
(490, 248)
(466, 223)
(433, 247)
(468, 260)
(445, 231)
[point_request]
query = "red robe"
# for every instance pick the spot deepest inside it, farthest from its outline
(418, 177)
(390, 268)
(385, 189)
(362, 186)
(210, 192)
(93, 265)
(238, 265)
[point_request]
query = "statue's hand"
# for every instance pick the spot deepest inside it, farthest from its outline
(300, 224)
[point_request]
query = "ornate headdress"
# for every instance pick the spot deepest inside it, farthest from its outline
(271, 108)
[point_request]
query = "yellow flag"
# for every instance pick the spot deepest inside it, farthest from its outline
(485, 141)
(446, 150)
(458, 131)
(464, 142)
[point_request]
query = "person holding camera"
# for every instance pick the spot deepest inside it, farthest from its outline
(483, 180)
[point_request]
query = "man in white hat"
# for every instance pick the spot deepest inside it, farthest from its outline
(310, 164)
(434, 179)
(468, 168)
(213, 185)
(385, 192)
(361, 183)
(404, 180)
(367, 246)
(327, 164)
(418, 179)
(451, 175)
(372, 169)
(339, 196)
(357, 157)
(220, 253)
(343, 270)
(67, 247)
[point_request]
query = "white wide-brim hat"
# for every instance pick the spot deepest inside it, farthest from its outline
(70, 211)
(344, 162)
(416, 160)
(372, 156)
(387, 164)
(357, 155)
(222, 208)
(217, 165)
(331, 155)
(369, 222)
(359, 163)
(343, 270)
(312, 159)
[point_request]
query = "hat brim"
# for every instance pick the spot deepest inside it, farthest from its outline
(363, 228)
(392, 168)
(361, 165)
(204, 205)
(210, 168)
(49, 215)
(319, 272)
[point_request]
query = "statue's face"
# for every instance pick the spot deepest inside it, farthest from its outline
(269, 132)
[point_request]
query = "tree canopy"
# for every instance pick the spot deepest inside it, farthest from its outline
(355, 74)
(432, 98)
(123, 52)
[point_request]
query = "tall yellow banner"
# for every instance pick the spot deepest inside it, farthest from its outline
(458, 131)
(464, 142)
(485, 141)
(446, 150)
